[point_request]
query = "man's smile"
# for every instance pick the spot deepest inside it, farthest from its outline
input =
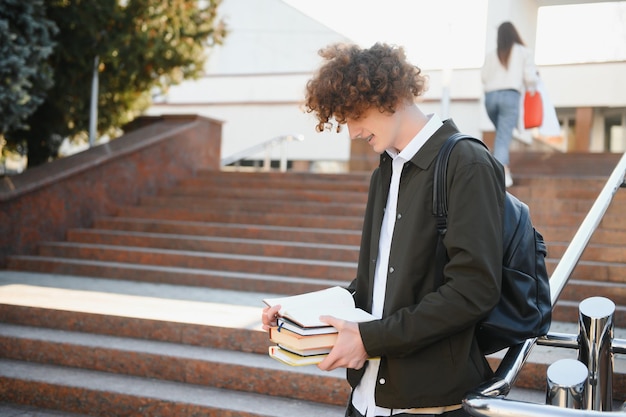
(367, 138)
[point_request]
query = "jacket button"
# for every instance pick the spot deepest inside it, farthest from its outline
(382, 381)
(399, 216)
(391, 269)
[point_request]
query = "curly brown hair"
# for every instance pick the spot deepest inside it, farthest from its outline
(352, 80)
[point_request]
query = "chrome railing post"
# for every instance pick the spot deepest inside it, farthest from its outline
(596, 338)
(566, 384)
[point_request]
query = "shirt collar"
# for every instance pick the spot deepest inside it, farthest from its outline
(409, 151)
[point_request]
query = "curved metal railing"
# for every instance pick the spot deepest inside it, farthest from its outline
(488, 399)
(266, 147)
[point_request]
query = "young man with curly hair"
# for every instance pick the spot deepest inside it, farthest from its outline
(420, 356)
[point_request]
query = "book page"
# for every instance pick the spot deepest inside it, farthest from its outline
(334, 296)
(309, 316)
(305, 309)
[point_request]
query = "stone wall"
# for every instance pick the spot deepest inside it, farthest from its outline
(43, 202)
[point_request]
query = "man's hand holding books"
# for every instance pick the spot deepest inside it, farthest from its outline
(316, 328)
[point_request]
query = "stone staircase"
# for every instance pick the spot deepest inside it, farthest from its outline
(154, 311)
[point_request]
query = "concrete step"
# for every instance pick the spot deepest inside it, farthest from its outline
(600, 236)
(573, 164)
(562, 188)
(578, 290)
(573, 219)
(259, 247)
(196, 316)
(292, 176)
(219, 279)
(568, 205)
(563, 181)
(251, 206)
(102, 393)
(593, 271)
(234, 230)
(351, 182)
(274, 265)
(593, 252)
(16, 410)
(176, 362)
(276, 194)
(218, 216)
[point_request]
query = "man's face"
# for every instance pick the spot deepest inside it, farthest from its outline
(378, 129)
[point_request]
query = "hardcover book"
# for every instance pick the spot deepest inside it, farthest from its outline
(284, 337)
(293, 359)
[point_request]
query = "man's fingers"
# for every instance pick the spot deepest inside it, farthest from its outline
(274, 310)
(333, 321)
(269, 317)
(332, 361)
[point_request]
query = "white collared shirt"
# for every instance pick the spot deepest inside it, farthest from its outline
(363, 396)
(521, 73)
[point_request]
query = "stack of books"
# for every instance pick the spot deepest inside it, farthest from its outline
(300, 337)
(296, 345)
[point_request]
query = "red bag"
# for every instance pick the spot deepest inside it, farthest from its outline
(533, 110)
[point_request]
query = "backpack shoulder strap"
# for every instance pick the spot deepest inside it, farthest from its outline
(440, 201)
(440, 194)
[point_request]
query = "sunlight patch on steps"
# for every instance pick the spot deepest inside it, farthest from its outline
(122, 305)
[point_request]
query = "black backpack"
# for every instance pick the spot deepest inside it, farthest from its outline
(525, 309)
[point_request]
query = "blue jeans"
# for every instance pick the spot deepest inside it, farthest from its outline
(503, 109)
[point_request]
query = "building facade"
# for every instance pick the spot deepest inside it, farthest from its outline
(255, 83)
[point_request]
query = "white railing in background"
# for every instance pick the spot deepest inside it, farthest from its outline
(266, 147)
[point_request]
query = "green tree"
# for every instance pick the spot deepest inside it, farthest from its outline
(25, 75)
(142, 46)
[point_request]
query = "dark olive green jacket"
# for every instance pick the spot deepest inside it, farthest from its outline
(425, 338)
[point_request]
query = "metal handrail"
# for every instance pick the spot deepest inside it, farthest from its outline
(570, 341)
(487, 400)
(264, 146)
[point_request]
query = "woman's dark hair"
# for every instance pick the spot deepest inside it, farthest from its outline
(507, 37)
(353, 80)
